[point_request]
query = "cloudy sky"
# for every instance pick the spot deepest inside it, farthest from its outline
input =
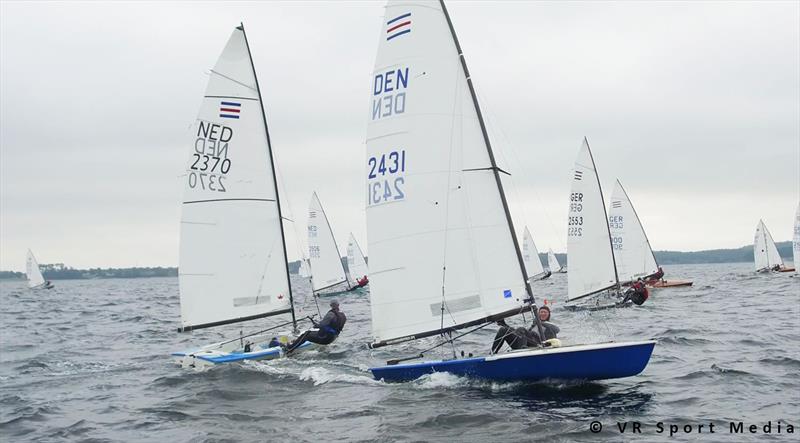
(694, 106)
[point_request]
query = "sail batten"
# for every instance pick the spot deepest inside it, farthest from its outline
(632, 252)
(436, 213)
(592, 266)
(231, 227)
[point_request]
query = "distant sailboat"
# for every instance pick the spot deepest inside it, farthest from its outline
(796, 241)
(592, 264)
(304, 270)
(443, 251)
(328, 276)
(356, 264)
(632, 252)
(232, 265)
(765, 253)
(552, 263)
(530, 255)
(35, 278)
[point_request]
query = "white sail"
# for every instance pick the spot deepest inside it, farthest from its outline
(441, 248)
(232, 256)
(796, 241)
(765, 253)
(632, 252)
(356, 263)
(33, 272)
(530, 255)
(552, 261)
(591, 261)
(327, 269)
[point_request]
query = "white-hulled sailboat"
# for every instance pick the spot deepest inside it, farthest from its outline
(552, 263)
(443, 250)
(632, 252)
(35, 278)
(765, 253)
(233, 265)
(356, 264)
(796, 241)
(530, 255)
(328, 276)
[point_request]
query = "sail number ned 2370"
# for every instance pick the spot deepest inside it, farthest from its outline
(385, 178)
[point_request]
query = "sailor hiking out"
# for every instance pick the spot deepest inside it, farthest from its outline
(324, 332)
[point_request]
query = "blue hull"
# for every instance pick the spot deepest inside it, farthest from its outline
(583, 362)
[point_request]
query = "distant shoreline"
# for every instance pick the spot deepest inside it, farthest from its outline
(711, 256)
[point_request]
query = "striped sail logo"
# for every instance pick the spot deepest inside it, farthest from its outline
(398, 26)
(229, 109)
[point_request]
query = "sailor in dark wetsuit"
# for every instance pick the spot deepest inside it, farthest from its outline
(325, 332)
(637, 293)
(516, 338)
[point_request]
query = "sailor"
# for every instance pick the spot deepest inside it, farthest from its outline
(550, 330)
(637, 293)
(518, 338)
(324, 332)
(657, 276)
(363, 281)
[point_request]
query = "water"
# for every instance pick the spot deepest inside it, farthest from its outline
(89, 360)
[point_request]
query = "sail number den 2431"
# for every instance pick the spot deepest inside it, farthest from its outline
(210, 163)
(385, 179)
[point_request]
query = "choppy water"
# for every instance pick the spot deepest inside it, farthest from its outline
(89, 360)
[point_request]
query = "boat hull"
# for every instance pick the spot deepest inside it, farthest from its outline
(670, 283)
(580, 362)
(232, 352)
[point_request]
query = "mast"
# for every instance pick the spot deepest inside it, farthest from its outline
(274, 177)
(605, 213)
(496, 170)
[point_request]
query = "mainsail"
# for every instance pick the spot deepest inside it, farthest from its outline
(33, 272)
(632, 252)
(433, 185)
(356, 263)
(765, 254)
(552, 261)
(796, 241)
(530, 255)
(591, 260)
(232, 250)
(327, 269)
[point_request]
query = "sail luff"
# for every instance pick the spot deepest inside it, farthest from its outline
(495, 169)
(638, 220)
(605, 213)
(274, 175)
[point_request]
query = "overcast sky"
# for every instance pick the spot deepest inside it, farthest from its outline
(695, 107)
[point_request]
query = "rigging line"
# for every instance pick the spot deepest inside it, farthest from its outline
(309, 317)
(512, 147)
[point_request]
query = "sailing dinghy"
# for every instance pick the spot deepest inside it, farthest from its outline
(592, 263)
(35, 278)
(552, 263)
(328, 276)
(444, 255)
(530, 255)
(356, 264)
(632, 252)
(765, 253)
(233, 265)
